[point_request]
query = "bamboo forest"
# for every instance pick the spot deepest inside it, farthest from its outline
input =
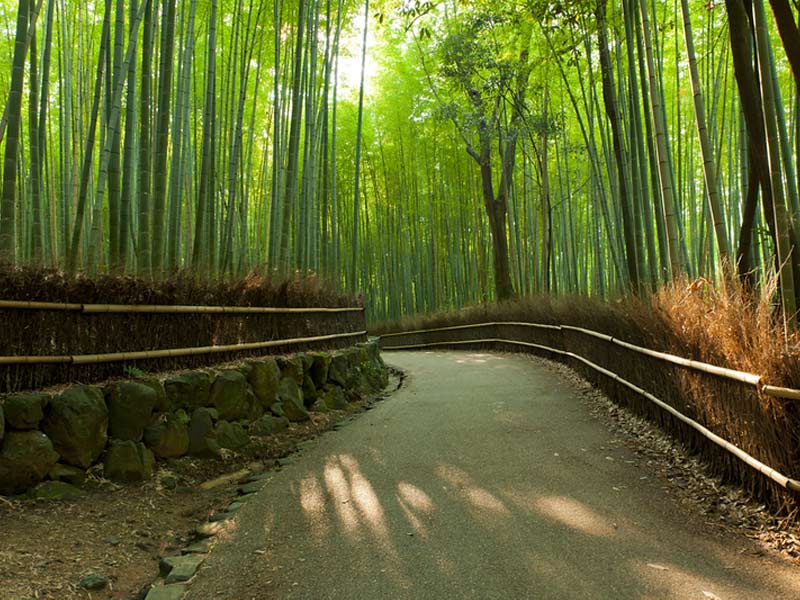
(428, 154)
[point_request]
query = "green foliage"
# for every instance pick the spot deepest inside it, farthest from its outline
(132, 372)
(440, 75)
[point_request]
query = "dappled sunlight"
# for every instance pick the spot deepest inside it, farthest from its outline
(357, 508)
(478, 497)
(313, 503)
(575, 515)
(410, 499)
(413, 520)
(474, 359)
(366, 499)
(668, 580)
(339, 490)
(412, 495)
(483, 499)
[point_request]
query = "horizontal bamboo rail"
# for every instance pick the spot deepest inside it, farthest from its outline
(166, 308)
(25, 305)
(742, 376)
(473, 326)
(779, 478)
(86, 359)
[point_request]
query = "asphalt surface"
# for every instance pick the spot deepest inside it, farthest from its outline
(484, 477)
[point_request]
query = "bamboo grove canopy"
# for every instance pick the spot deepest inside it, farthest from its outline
(431, 154)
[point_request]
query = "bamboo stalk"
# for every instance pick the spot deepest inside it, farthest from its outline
(169, 309)
(777, 477)
(26, 305)
(87, 359)
(34, 360)
(166, 309)
(780, 392)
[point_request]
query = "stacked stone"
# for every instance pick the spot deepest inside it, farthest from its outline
(128, 425)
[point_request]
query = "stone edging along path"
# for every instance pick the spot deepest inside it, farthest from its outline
(48, 440)
(176, 572)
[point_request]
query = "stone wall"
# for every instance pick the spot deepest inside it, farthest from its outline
(128, 425)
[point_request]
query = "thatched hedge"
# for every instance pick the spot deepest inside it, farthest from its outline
(28, 332)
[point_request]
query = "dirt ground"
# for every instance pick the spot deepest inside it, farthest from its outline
(120, 532)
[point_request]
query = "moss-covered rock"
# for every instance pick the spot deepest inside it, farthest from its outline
(169, 438)
(231, 435)
(334, 397)
(67, 474)
(319, 406)
(310, 394)
(229, 395)
(255, 410)
(292, 400)
(292, 367)
(339, 370)
(188, 390)
(321, 363)
(202, 435)
(264, 378)
(128, 461)
(161, 404)
(25, 459)
(269, 425)
(77, 423)
(130, 409)
(25, 410)
(55, 490)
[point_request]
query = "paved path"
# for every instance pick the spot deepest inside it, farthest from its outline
(484, 477)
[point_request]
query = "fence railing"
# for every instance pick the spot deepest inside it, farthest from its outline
(743, 376)
(558, 344)
(45, 343)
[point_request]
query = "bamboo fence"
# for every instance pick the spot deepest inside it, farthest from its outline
(749, 379)
(46, 343)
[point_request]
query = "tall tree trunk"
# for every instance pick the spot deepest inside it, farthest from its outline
(786, 252)
(612, 112)
(290, 195)
(677, 264)
(86, 168)
(144, 188)
(129, 148)
(789, 32)
(709, 161)
(741, 38)
(162, 134)
(201, 253)
(35, 157)
(352, 283)
(114, 164)
(8, 205)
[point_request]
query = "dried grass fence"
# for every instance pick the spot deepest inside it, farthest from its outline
(158, 326)
(728, 416)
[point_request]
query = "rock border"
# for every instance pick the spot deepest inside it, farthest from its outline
(122, 428)
(177, 572)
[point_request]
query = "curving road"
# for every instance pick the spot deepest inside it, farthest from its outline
(484, 477)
